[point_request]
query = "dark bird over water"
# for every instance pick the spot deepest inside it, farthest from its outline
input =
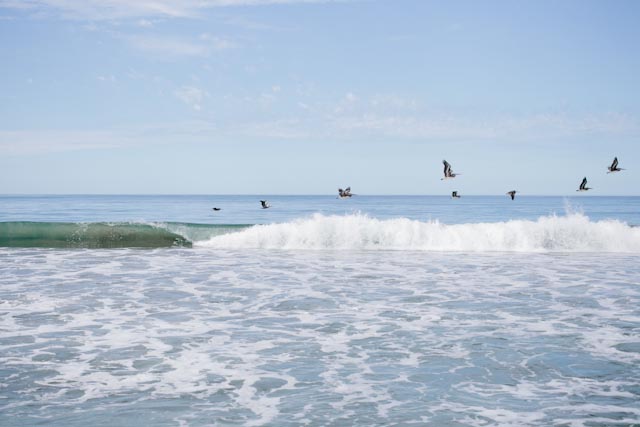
(614, 166)
(583, 185)
(454, 195)
(342, 194)
(216, 209)
(448, 173)
(265, 204)
(512, 193)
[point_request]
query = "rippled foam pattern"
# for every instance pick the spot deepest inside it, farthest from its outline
(174, 337)
(571, 233)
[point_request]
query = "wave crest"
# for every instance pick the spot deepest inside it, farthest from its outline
(571, 233)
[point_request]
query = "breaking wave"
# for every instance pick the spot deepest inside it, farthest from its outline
(571, 233)
(574, 232)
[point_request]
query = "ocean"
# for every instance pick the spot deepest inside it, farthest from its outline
(368, 311)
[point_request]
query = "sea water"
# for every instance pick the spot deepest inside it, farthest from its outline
(369, 311)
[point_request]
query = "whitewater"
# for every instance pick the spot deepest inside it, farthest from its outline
(375, 311)
(572, 233)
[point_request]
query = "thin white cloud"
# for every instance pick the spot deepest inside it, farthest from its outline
(290, 129)
(392, 101)
(169, 47)
(39, 142)
(217, 43)
(305, 127)
(512, 129)
(107, 78)
(346, 104)
(17, 4)
(252, 25)
(100, 10)
(192, 96)
(46, 141)
(427, 128)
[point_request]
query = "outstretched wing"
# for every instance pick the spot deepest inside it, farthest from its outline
(584, 183)
(447, 168)
(347, 190)
(614, 165)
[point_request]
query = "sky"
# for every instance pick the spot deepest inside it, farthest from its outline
(305, 96)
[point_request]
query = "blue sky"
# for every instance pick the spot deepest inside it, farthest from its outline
(303, 97)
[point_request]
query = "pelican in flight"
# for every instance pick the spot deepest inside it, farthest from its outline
(614, 166)
(448, 173)
(265, 204)
(512, 193)
(343, 194)
(454, 195)
(216, 209)
(583, 185)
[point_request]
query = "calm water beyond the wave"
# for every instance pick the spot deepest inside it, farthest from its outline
(370, 311)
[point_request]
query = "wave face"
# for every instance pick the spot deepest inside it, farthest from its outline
(105, 235)
(571, 233)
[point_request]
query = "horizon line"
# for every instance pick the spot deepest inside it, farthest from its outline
(300, 195)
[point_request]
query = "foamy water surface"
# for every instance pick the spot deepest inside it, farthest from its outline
(320, 338)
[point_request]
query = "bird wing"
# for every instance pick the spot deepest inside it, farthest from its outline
(614, 165)
(584, 183)
(347, 190)
(447, 168)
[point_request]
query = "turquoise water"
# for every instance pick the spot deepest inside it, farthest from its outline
(386, 311)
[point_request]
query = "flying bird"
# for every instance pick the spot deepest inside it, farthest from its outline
(614, 166)
(512, 193)
(583, 185)
(454, 195)
(448, 173)
(216, 209)
(265, 204)
(343, 194)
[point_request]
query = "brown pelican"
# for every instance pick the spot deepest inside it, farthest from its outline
(448, 173)
(583, 185)
(512, 193)
(454, 195)
(614, 166)
(265, 204)
(343, 194)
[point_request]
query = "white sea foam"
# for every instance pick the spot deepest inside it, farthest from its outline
(333, 338)
(574, 232)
